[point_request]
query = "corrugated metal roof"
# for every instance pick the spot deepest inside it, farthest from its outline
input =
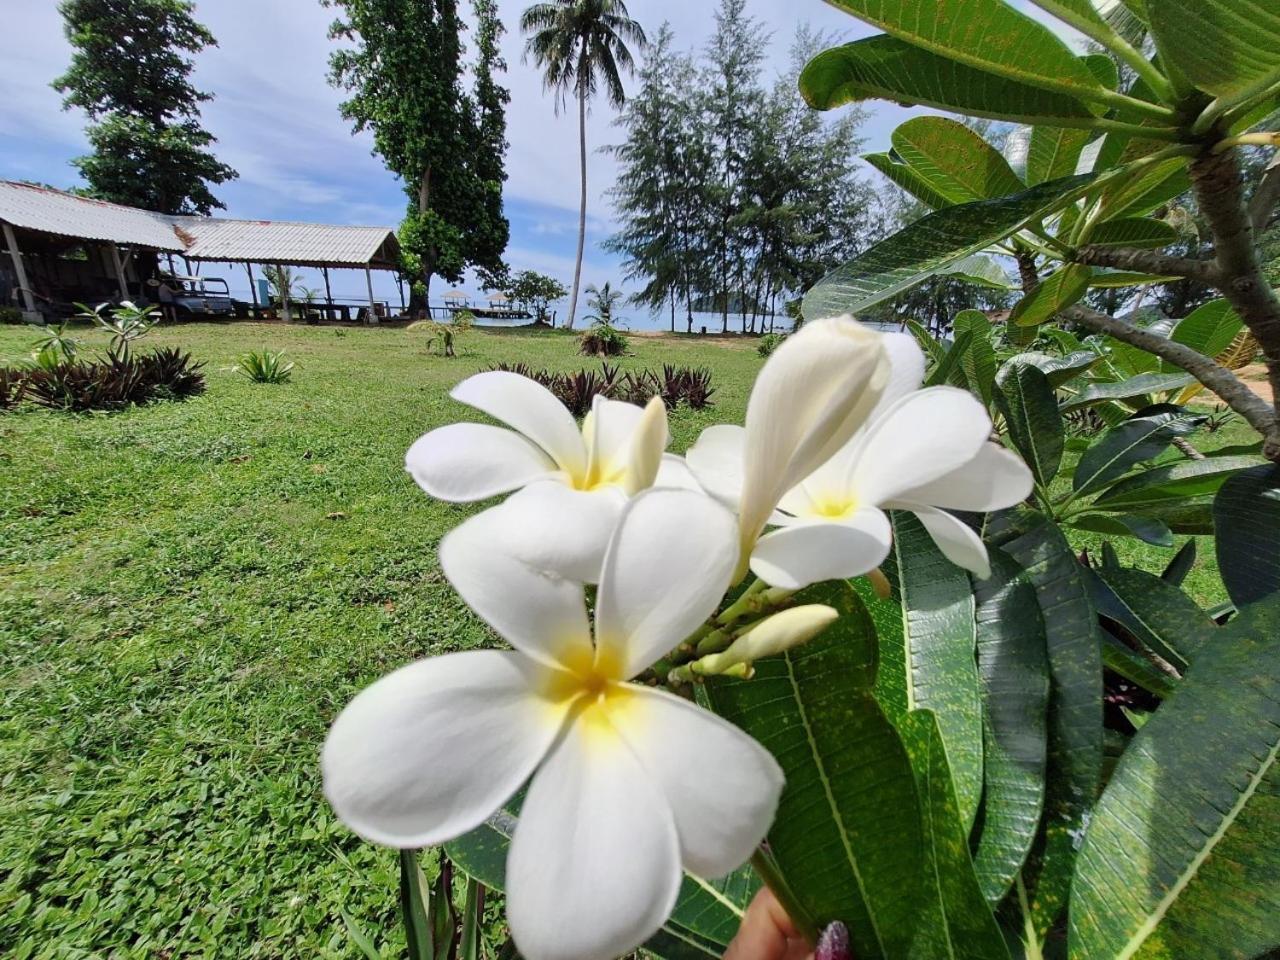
(200, 238)
(51, 211)
(279, 241)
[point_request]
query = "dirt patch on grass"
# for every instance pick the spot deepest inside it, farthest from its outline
(1255, 378)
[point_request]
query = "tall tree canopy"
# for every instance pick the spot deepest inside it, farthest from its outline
(580, 45)
(131, 74)
(404, 71)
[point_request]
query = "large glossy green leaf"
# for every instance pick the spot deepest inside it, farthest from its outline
(1058, 369)
(1208, 329)
(1115, 279)
(1146, 529)
(956, 923)
(1031, 416)
(986, 34)
(1224, 47)
(1054, 152)
(929, 245)
(1120, 659)
(1177, 481)
(1015, 696)
(1181, 857)
(1150, 187)
(977, 372)
(1132, 232)
(907, 178)
(954, 159)
(926, 657)
(1075, 708)
(886, 68)
(1122, 448)
(1139, 386)
(705, 918)
(1158, 614)
(1246, 519)
(847, 835)
(1053, 294)
(979, 269)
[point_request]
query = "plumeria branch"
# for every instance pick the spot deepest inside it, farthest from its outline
(1265, 196)
(1147, 261)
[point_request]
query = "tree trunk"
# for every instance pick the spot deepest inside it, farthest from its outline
(428, 261)
(673, 310)
(582, 204)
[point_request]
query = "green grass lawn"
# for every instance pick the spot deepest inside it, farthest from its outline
(190, 592)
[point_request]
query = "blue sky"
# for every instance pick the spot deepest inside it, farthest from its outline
(278, 124)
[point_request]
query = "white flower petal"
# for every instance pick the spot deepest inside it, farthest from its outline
(529, 408)
(645, 451)
(559, 530)
(955, 539)
(923, 436)
(428, 752)
(906, 369)
(594, 865)
(464, 462)
(538, 613)
(673, 471)
(796, 556)
(722, 786)
(716, 459)
(666, 570)
(994, 479)
(811, 396)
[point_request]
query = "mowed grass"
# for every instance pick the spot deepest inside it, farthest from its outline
(188, 595)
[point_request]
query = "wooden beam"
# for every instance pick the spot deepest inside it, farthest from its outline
(124, 284)
(368, 279)
(328, 294)
(19, 270)
(253, 288)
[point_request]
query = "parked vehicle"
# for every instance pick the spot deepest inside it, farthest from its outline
(196, 296)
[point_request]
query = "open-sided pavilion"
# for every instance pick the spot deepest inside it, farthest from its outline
(62, 248)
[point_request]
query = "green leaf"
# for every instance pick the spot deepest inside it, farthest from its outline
(954, 160)
(949, 363)
(1180, 858)
(1132, 232)
(1075, 718)
(1122, 448)
(1246, 519)
(1180, 565)
(1199, 479)
(364, 943)
(706, 915)
(977, 372)
(1225, 47)
(1155, 532)
(415, 908)
(907, 178)
(926, 657)
(1139, 386)
(956, 921)
(1051, 295)
(1115, 279)
(847, 835)
(1151, 187)
(1208, 329)
(470, 922)
(1054, 152)
(1015, 697)
(980, 270)
(987, 35)
(929, 245)
(885, 68)
(1158, 614)
(1031, 416)
(1057, 369)
(1119, 659)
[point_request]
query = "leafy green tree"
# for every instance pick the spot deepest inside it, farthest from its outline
(535, 290)
(581, 45)
(131, 74)
(403, 72)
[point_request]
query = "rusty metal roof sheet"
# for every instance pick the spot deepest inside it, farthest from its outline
(64, 214)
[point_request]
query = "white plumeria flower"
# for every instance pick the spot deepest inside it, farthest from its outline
(929, 449)
(629, 783)
(573, 483)
(811, 396)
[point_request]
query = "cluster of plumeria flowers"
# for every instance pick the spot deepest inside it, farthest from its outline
(630, 785)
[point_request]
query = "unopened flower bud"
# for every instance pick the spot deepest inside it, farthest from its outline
(780, 632)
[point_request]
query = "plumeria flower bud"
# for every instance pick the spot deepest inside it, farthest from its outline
(612, 814)
(811, 396)
(572, 482)
(780, 632)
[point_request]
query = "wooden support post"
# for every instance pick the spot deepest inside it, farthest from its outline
(400, 284)
(328, 294)
(124, 284)
(172, 268)
(18, 269)
(253, 287)
(368, 279)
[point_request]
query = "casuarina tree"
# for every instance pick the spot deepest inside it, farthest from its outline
(130, 73)
(581, 45)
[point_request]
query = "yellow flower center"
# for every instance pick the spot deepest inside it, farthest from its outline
(591, 686)
(835, 508)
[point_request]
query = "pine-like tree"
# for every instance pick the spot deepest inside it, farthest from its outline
(131, 74)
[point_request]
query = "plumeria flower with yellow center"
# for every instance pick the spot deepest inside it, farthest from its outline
(629, 783)
(811, 396)
(572, 482)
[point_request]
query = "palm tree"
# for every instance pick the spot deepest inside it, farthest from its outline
(603, 300)
(580, 44)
